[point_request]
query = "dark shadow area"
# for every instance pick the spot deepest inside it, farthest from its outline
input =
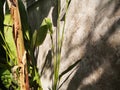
(48, 64)
(117, 7)
(2, 51)
(38, 10)
(102, 11)
(99, 55)
(55, 14)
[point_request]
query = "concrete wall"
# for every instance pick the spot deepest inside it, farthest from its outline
(92, 35)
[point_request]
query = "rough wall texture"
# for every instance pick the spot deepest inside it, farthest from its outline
(92, 34)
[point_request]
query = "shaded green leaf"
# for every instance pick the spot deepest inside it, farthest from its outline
(49, 23)
(34, 36)
(2, 52)
(24, 20)
(1, 14)
(25, 25)
(41, 35)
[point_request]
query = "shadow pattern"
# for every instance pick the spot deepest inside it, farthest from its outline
(99, 54)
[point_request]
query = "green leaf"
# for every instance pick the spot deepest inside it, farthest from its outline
(69, 68)
(49, 23)
(25, 25)
(24, 20)
(37, 79)
(6, 77)
(8, 39)
(34, 36)
(41, 35)
(65, 80)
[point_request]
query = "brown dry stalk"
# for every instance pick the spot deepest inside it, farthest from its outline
(18, 38)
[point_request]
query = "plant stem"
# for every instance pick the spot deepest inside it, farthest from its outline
(19, 42)
(59, 42)
(57, 58)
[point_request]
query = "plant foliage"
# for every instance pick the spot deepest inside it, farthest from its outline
(9, 68)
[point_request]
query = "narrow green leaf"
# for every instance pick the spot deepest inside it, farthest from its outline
(65, 80)
(34, 36)
(9, 41)
(25, 25)
(24, 20)
(69, 68)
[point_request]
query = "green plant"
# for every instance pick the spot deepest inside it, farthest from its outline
(59, 42)
(57, 59)
(11, 50)
(11, 70)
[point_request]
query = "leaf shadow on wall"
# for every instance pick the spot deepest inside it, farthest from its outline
(100, 67)
(37, 11)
